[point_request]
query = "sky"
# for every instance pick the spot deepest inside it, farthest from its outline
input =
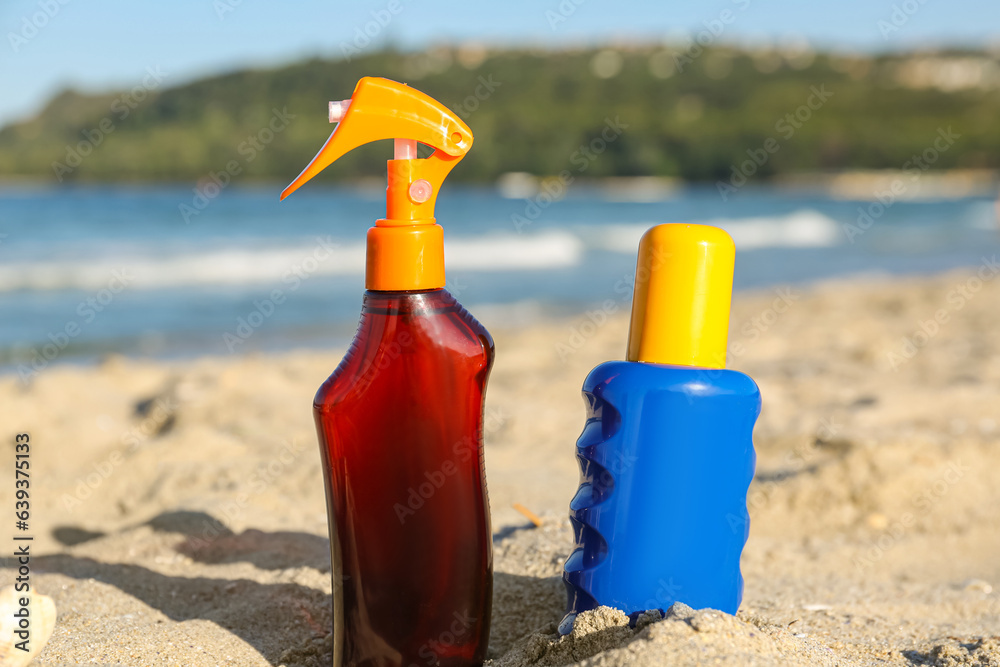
(100, 45)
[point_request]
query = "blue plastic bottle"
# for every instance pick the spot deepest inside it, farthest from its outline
(666, 455)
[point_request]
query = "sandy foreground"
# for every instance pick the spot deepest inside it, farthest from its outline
(179, 515)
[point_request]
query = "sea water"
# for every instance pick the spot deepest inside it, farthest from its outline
(88, 271)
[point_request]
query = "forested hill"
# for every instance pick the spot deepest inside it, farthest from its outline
(663, 111)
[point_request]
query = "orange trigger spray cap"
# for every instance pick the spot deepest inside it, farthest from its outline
(406, 248)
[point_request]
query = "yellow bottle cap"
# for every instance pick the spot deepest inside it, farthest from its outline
(683, 290)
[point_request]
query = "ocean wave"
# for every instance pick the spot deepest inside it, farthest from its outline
(800, 229)
(240, 266)
(985, 215)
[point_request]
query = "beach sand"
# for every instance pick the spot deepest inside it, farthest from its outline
(179, 516)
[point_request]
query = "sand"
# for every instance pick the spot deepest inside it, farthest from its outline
(178, 507)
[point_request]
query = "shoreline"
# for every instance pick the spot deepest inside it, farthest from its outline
(494, 319)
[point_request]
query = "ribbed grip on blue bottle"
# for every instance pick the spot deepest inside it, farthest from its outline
(666, 458)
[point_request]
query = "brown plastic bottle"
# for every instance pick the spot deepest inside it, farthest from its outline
(401, 419)
(400, 425)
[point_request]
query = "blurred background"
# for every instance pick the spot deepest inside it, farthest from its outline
(143, 147)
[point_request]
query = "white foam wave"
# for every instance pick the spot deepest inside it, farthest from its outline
(801, 229)
(243, 266)
(539, 251)
(985, 215)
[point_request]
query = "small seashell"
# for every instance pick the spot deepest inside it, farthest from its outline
(42, 620)
(978, 586)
